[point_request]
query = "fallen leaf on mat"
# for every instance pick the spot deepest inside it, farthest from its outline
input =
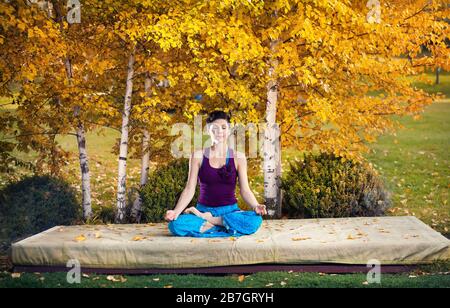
(98, 235)
(269, 284)
(260, 241)
(214, 241)
(168, 287)
(412, 276)
(80, 238)
(350, 237)
(365, 283)
(241, 278)
(85, 275)
(137, 238)
(360, 233)
(300, 238)
(233, 239)
(155, 279)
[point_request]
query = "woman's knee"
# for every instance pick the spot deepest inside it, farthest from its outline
(245, 222)
(185, 224)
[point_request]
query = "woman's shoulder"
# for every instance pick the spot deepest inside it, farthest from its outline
(197, 154)
(238, 154)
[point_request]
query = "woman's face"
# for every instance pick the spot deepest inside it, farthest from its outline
(219, 130)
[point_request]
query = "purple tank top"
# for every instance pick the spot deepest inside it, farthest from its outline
(217, 185)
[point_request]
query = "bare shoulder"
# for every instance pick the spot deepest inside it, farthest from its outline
(198, 154)
(240, 159)
(239, 155)
(196, 157)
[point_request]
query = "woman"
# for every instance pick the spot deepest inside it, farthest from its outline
(216, 213)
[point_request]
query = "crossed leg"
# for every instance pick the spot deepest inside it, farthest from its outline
(211, 221)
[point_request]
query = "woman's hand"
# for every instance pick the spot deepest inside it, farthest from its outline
(171, 215)
(260, 209)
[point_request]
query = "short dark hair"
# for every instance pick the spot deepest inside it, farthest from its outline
(218, 114)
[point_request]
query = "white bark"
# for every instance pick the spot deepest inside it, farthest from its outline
(84, 167)
(81, 142)
(271, 147)
(123, 153)
(145, 161)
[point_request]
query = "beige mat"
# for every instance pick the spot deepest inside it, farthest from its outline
(390, 240)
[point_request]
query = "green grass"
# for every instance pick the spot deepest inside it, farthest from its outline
(258, 280)
(415, 164)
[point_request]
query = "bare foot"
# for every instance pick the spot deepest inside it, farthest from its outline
(193, 210)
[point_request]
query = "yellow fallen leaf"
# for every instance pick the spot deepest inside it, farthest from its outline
(114, 279)
(15, 275)
(350, 237)
(98, 235)
(241, 278)
(80, 238)
(137, 238)
(168, 287)
(214, 241)
(300, 238)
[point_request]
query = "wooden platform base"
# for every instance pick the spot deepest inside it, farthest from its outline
(238, 269)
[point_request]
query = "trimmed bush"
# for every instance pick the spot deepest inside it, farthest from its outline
(325, 185)
(35, 204)
(163, 189)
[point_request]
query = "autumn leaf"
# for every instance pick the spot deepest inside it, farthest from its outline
(80, 238)
(114, 279)
(168, 287)
(137, 238)
(241, 278)
(300, 238)
(15, 275)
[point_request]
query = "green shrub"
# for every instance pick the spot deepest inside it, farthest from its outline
(163, 189)
(35, 204)
(325, 185)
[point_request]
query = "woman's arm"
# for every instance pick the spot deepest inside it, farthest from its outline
(244, 188)
(189, 191)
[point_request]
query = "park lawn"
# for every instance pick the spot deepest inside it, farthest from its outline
(414, 164)
(258, 280)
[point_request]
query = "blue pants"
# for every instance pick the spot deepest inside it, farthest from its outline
(236, 222)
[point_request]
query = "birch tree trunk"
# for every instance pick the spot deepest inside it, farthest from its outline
(84, 167)
(123, 153)
(80, 132)
(145, 160)
(271, 147)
